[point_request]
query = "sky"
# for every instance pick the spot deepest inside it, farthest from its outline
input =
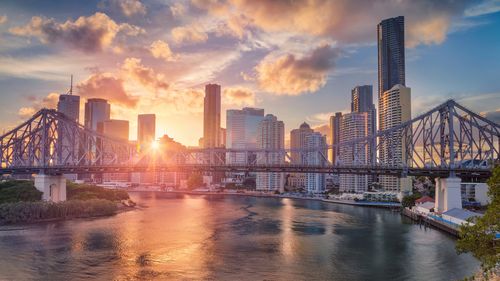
(296, 59)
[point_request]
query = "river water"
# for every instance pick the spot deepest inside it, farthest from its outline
(181, 237)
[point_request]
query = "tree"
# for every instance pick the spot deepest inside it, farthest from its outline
(480, 238)
(409, 201)
(195, 180)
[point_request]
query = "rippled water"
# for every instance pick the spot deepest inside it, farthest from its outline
(176, 237)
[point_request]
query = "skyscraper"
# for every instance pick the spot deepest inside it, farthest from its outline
(211, 116)
(355, 125)
(315, 182)
(391, 53)
(146, 129)
(394, 109)
(96, 110)
(271, 135)
(298, 141)
(335, 121)
(362, 101)
(242, 127)
(69, 105)
(117, 129)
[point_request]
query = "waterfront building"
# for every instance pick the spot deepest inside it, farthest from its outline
(119, 130)
(271, 135)
(335, 121)
(146, 130)
(211, 116)
(242, 127)
(391, 53)
(315, 182)
(355, 125)
(298, 141)
(394, 109)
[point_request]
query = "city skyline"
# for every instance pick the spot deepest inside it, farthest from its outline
(177, 55)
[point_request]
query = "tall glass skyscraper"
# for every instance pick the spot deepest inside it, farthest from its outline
(391, 53)
(211, 116)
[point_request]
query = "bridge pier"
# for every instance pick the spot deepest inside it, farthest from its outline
(53, 187)
(448, 194)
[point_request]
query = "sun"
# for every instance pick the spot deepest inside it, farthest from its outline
(155, 145)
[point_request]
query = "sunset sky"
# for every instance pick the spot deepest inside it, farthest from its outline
(296, 59)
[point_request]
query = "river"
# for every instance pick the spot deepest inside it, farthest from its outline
(224, 237)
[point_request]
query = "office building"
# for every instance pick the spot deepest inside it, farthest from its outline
(211, 116)
(335, 121)
(69, 105)
(96, 110)
(355, 125)
(119, 130)
(362, 101)
(271, 135)
(391, 53)
(242, 127)
(394, 109)
(146, 130)
(222, 137)
(315, 182)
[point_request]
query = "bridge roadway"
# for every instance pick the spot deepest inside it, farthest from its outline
(476, 173)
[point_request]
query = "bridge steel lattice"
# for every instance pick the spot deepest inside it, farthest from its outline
(446, 141)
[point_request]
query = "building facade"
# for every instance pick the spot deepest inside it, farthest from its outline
(242, 128)
(271, 135)
(391, 53)
(315, 182)
(335, 122)
(211, 116)
(96, 111)
(355, 125)
(119, 130)
(298, 141)
(394, 109)
(69, 105)
(146, 130)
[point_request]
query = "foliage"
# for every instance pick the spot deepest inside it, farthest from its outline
(18, 190)
(22, 212)
(409, 200)
(230, 185)
(249, 183)
(76, 191)
(195, 180)
(479, 239)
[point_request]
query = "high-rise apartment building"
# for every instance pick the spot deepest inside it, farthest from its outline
(211, 116)
(391, 53)
(242, 127)
(355, 125)
(298, 142)
(335, 122)
(96, 110)
(69, 105)
(146, 129)
(362, 101)
(271, 135)
(315, 182)
(394, 109)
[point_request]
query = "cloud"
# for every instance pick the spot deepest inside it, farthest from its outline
(189, 34)
(177, 9)
(289, 75)
(128, 8)
(492, 115)
(132, 68)
(239, 96)
(486, 7)
(89, 34)
(3, 19)
(108, 86)
(50, 101)
(161, 49)
(348, 21)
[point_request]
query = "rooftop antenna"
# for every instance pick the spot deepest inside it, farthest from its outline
(71, 85)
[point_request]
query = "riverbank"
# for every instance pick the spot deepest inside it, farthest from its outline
(428, 221)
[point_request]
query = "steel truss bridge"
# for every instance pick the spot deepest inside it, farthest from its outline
(446, 141)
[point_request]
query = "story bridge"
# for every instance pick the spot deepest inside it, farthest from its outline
(448, 142)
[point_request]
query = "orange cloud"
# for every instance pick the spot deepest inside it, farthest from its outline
(132, 68)
(239, 96)
(50, 101)
(90, 34)
(108, 86)
(127, 7)
(189, 34)
(289, 75)
(161, 49)
(3, 19)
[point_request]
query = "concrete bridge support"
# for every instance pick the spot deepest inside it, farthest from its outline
(448, 194)
(53, 187)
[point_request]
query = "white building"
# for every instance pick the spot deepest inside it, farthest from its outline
(317, 156)
(271, 135)
(394, 109)
(355, 125)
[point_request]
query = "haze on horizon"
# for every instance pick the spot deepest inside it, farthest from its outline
(296, 59)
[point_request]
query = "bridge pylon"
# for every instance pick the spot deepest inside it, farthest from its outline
(52, 186)
(448, 194)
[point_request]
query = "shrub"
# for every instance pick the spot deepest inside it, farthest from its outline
(18, 190)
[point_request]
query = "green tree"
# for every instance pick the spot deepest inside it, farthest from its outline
(479, 239)
(409, 201)
(195, 180)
